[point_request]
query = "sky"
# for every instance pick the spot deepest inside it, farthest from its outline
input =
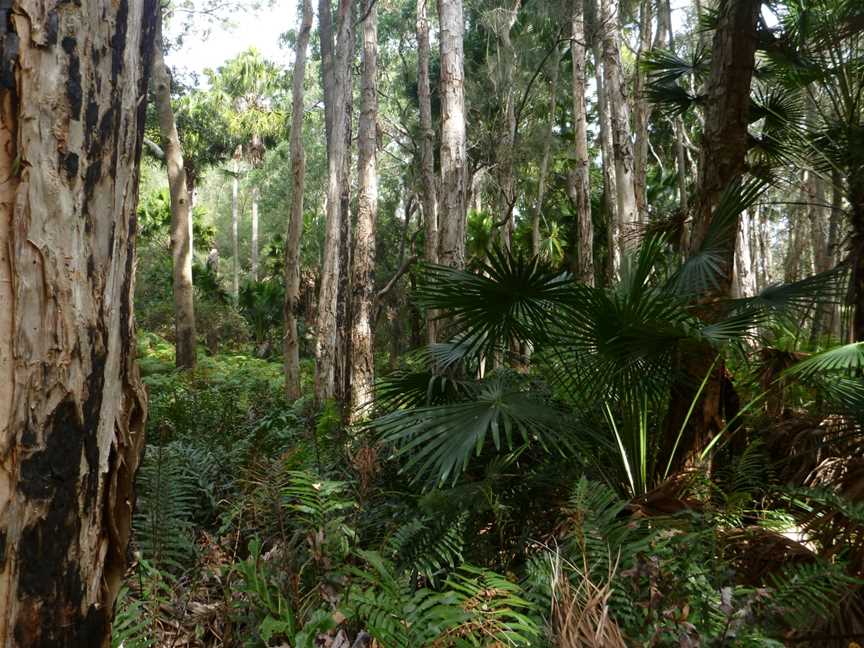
(259, 28)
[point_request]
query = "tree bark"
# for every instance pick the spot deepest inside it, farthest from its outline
(295, 222)
(722, 161)
(235, 232)
(454, 155)
(642, 111)
(745, 276)
(254, 256)
(73, 89)
(181, 216)
(610, 201)
(363, 262)
(336, 86)
(580, 179)
(428, 190)
(619, 119)
(547, 152)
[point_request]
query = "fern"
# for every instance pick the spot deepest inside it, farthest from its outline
(429, 546)
(807, 594)
(131, 625)
(478, 608)
(167, 497)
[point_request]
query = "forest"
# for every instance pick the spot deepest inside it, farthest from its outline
(467, 323)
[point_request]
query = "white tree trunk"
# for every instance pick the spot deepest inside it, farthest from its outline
(619, 119)
(73, 85)
(580, 184)
(745, 275)
(335, 88)
(295, 222)
(254, 259)
(363, 262)
(181, 213)
(454, 156)
(235, 235)
(642, 110)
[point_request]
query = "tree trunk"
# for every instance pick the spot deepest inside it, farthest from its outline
(295, 222)
(619, 119)
(454, 156)
(363, 277)
(580, 184)
(642, 111)
(336, 86)
(73, 87)
(610, 202)
(343, 298)
(722, 161)
(835, 236)
(235, 233)
(745, 277)
(181, 217)
(766, 253)
(547, 152)
(678, 127)
(254, 259)
(428, 191)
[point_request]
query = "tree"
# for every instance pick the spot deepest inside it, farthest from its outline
(72, 408)
(295, 222)
(335, 79)
(454, 156)
(363, 260)
(428, 190)
(181, 217)
(580, 187)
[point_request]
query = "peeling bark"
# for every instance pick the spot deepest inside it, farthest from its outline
(363, 261)
(72, 407)
(454, 155)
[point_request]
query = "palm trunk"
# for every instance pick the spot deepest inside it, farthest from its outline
(580, 186)
(363, 279)
(454, 156)
(428, 193)
(254, 259)
(295, 223)
(72, 407)
(336, 86)
(181, 221)
(619, 119)
(547, 152)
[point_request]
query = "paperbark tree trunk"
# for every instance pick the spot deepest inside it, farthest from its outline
(235, 233)
(678, 128)
(619, 119)
(745, 276)
(254, 255)
(610, 200)
(642, 110)
(363, 261)
(547, 152)
(580, 183)
(335, 82)
(454, 156)
(428, 190)
(181, 216)
(73, 89)
(295, 222)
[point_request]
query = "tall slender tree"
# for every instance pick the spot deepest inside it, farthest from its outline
(580, 184)
(295, 221)
(363, 259)
(454, 154)
(181, 210)
(336, 60)
(73, 87)
(428, 189)
(548, 139)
